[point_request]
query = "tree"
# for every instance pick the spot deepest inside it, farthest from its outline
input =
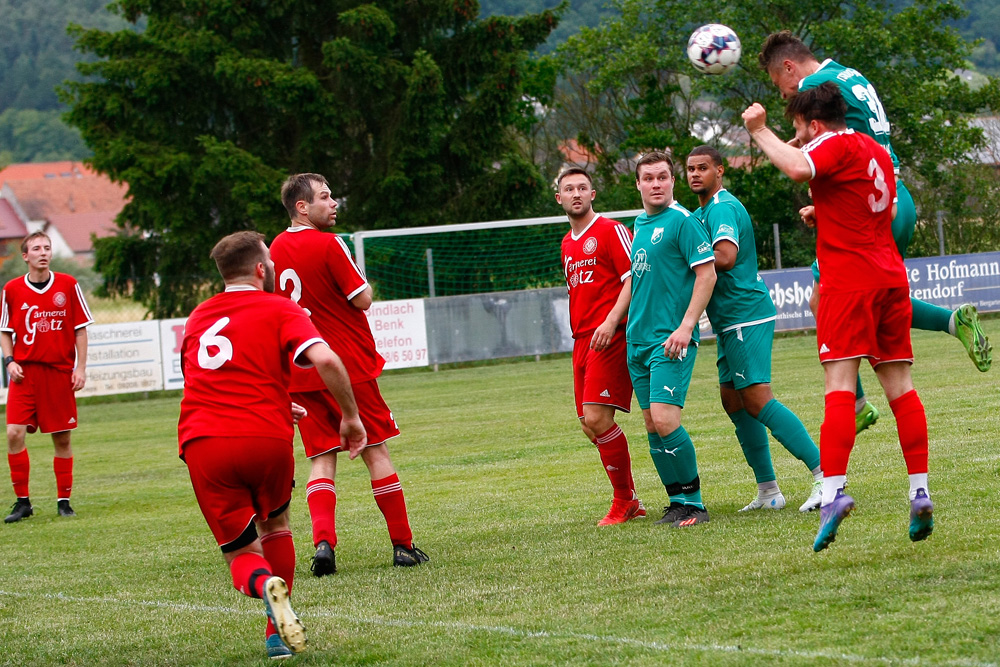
(411, 110)
(637, 62)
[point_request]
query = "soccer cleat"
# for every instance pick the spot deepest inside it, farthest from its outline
(970, 332)
(671, 513)
(21, 509)
(403, 557)
(641, 512)
(63, 508)
(290, 629)
(815, 497)
(772, 502)
(921, 516)
(867, 417)
(830, 517)
(325, 560)
(693, 516)
(276, 649)
(620, 512)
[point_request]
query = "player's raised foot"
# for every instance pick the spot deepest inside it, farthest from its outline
(772, 501)
(830, 517)
(276, 649)
(815, 497)
(641, 512)
(63, 508)
(970, 332)
(692, 517)
(620, 512)
(921, 516)
(325, 560)
(403, 557)
(21, 509)
(290, 629)
(867, 417)
(671, 513)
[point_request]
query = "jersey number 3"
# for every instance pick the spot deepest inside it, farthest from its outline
(212, 338)
(882, 203)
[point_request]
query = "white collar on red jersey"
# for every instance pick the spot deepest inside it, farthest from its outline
(577, 237)
(48, 283)
(241, 288)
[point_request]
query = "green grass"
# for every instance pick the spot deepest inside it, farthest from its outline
(504, 492)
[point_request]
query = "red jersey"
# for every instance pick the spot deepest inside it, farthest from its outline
(316, 270)
(44, 321)
(596, 263)
(236, 355)
(853, 188)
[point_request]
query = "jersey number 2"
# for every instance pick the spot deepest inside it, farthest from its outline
(212, 338)
(289, 276)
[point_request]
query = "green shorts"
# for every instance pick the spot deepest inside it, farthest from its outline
(745, 355)
(657, 379)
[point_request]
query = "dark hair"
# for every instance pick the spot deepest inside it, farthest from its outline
(781, 46)
(236, 255)
(715, 155)
(823, 103)
(29, 237)
(299, 187)
(653, 157)
(569, 171)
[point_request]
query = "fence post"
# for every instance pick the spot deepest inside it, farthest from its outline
(430, 271)
(940, 231)
(777, 248)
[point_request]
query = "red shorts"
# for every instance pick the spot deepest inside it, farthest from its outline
(239, 480)
(44, 399)
(602, 377)
(320, 428)
(873, 324)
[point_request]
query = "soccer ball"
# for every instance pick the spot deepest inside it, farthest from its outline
(714, 49)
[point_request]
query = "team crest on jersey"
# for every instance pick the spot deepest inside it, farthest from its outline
(640, 265)
(59, 299)
(657, 235)
(725, 229)
(704, 247)
(590, 246)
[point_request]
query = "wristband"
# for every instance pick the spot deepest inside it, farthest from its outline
(6, 361)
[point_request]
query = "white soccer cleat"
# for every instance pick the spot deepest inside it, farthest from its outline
(774, 501)
(279, 610)
(815, 497)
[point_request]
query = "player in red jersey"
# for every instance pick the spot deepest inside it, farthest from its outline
(43, 332)
(597, 263)
(864, 308)
(235, 430)
(316, 271)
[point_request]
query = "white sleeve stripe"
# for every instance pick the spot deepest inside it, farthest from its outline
(624, 276)
(707, 259)
(302, 348)
(4, 320)
(625, 239)
(812, 167)
(357, 291)
(727, 237)
(83, 304)
(347, 252)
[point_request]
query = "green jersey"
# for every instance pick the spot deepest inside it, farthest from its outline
(864, 109)
(666, 248)
(740, 297)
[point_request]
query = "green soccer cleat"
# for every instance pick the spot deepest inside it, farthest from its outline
(970, 332)
(276, 649)
(866, 418)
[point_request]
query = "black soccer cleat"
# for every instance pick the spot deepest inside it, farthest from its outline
(403, 557)
(325, 560)
(21, 509)
(671, 513)
(63, 508)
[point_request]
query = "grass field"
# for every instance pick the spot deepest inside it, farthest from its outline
(504, 492)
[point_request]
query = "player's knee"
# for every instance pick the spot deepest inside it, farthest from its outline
(15, 438)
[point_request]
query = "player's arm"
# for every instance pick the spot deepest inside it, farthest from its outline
(80, 372)
(725, 255)
(606, 331)
(363, 299)
(788, 159)
(704, 282)
(331, 370)
(14, 370)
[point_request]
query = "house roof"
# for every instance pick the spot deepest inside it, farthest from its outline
(76, 228)
(33, 170)
(11, 226)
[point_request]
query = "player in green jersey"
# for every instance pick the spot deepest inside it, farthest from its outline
(672, 280)
(742, 315)
(793, 68)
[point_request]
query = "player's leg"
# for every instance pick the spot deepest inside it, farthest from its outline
(388, 493)
(20, 469)
(321, 496)
(62, 465)
(279, 551)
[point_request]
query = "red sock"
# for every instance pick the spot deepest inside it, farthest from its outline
(279, 550)
(836, 435)
(911, 424)
(388, 494)
(20, 467)
(250, 573)
(613, 448)
(321, 495)
(64, 477)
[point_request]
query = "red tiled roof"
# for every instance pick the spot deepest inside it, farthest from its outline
(42, 198)
(32, 170)
(11, 226)
(76, 228)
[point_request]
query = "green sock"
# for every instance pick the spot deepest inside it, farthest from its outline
(664, 468)
(789, 431)
(680, 450)
(928, 317)
(753, 440)
(859, 391)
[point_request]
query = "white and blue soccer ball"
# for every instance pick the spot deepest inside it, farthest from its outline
(714, 49)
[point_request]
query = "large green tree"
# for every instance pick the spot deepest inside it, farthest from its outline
(640, 92)
(412, 109)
